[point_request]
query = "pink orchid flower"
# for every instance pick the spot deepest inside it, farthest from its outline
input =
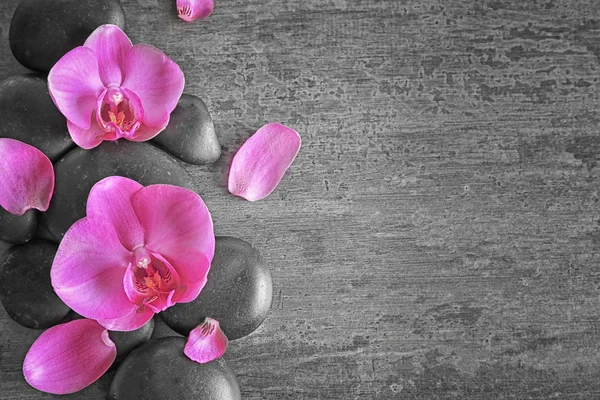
(138, 251)
(26, 176)
(109, 89)
(191, 10)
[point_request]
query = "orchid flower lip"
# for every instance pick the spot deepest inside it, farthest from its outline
(119, 112)
(155, 283)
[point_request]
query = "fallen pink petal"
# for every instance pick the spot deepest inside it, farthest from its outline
(68, 357)
(110, 89)
(192, 10)
(261, 162)
(206, 342)
(27, 177)
(138, 251)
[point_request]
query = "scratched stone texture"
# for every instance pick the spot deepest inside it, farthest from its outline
(437, 236)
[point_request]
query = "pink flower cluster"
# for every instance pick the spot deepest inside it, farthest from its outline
(138, 250)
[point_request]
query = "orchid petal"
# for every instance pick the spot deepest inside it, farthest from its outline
(87, 273)
(206, 342)
(259, 165)
(168, 273)
(145, 132)
(191, 10)
(111, 199)
(68, 357)
(134, 320)
(86, 138)
(136, 291)
(27, 177)
(192, 277)
(132, 115)
(156, 79)
(178, 226)
(92, 137)
(74, 85)
(135, 105)
(110, 44)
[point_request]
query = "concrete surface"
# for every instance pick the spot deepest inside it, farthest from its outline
(437, 236)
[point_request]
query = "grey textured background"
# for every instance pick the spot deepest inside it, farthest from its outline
(437, 235)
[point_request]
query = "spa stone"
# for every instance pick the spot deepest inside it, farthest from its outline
(17, 229)
(42, 31)
(160, 370)
(238, 293)
(190, 135)
(30, 116)
(25, 288)
(126, 342)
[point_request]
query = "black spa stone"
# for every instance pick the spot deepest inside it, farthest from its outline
(4, 246)
(126, 342)
(25, 288)
(29, 115)
(160, 370)
(190, 135)
(42, 31)
(238, 293)
(17, 229)
(80, 169)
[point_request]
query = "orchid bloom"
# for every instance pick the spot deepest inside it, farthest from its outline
(109, 89)
(261, 162)
(27, 177)
(138, 251)
(191, 10)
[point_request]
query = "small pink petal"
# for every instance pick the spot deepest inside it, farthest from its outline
(27, 177)
(86, 138)
(130, 322)
(74, 85)
(179, 227)
(110, 44)
(156, 79)
(206, 342)
(145, 132)
(260, 163)
(88, 269)
(191, 10)
(110, 199)
(66, 358)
